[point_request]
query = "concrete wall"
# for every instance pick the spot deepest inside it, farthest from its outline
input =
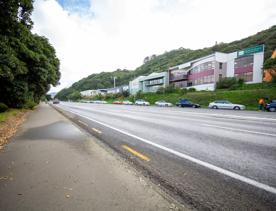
(206, 87)
(258, 67)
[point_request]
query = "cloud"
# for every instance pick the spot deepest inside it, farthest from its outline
(103, 35)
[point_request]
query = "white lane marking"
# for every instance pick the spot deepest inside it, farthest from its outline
(187, 157)
(240, 130)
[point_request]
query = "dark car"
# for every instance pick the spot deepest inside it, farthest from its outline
(271, 106)
(187, 103)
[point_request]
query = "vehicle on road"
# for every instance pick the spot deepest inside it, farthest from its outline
(163, 103)
(55, 101)
(142, 102)
(187, 103)
(127, 102)
(225, 104)
(271, 106)
(118, 102)
(84, 101)
(98, 102)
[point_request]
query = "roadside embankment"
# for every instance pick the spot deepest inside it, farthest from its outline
(9, 122)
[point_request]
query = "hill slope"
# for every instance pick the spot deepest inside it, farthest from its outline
(168, 59)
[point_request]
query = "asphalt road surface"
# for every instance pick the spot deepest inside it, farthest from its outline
(210, 159)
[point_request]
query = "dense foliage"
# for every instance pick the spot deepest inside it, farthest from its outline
(3, 107)
(168, 59)
(28, 64)
(270, 63)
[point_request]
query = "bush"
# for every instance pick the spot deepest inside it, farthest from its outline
(3, 107)
(227, 83)
(191, 89)
(160, 90)
(30, 104)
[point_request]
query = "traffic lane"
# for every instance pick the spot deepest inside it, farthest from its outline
(176, 110)
(249, 125)
(202, 188)
(237, 125)
(235, 154)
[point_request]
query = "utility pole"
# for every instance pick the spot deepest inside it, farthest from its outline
(114, 80)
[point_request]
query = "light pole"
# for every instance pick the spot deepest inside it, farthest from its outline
(114, 80)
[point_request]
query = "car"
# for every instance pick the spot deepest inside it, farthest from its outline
(118, 102)
(163, 103)
(55, 101)
(271, 106)
(187, 103)
(99, 102)
(142, 102)
(225, 104)
(127, 102)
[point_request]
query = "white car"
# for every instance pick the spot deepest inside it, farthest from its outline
(163, 103)
(225, 104)
(142, 102)
(127, 102)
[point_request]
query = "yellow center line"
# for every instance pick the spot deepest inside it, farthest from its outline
(138, 154)
(83, 123)
(96, 130)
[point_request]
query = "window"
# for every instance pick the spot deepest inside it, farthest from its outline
(220, 76)
(220, 65)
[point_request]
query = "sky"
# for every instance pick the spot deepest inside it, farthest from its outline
(91, 36)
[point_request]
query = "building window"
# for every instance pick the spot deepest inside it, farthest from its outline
(220, 65)
(220, 76)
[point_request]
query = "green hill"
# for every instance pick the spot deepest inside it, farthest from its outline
(169, 59)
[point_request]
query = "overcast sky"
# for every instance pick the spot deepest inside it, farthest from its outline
(91, 36)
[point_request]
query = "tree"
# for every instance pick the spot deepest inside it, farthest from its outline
(28, 63)
(74, 96)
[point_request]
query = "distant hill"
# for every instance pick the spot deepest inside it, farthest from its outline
(164, 61)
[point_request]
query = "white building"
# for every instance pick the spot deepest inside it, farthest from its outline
(204, 72)
(93, 92)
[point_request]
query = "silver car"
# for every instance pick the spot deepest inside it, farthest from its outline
(142, 102)
(225, 104)
(163, 103)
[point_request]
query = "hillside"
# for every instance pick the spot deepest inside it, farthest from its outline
(168, 59)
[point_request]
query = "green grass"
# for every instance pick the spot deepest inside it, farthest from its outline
(249, 97)
(11, 112)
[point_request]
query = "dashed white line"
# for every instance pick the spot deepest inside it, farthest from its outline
(240, 130)
(187, 157)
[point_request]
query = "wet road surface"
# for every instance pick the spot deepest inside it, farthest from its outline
(52, 165)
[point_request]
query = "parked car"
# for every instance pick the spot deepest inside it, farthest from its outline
(99, 102)
(127, 102)
(187, 103)
(271, 106)
(163, 103)
(55, 101)
(225, 104)
(142, 102)
(118, 102)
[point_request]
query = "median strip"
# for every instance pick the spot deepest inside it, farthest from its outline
(138, 154)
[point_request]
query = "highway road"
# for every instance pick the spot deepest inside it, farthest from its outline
(210, 159)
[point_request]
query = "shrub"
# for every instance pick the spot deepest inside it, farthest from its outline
(3, 107)
(226, 83)
(191, 89)
(170, 89)
(30, 104)
(161, 90)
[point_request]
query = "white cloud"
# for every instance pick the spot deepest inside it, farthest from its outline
(120, 33)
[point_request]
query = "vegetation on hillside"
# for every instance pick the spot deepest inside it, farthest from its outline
(175, 57)
(28, 63)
